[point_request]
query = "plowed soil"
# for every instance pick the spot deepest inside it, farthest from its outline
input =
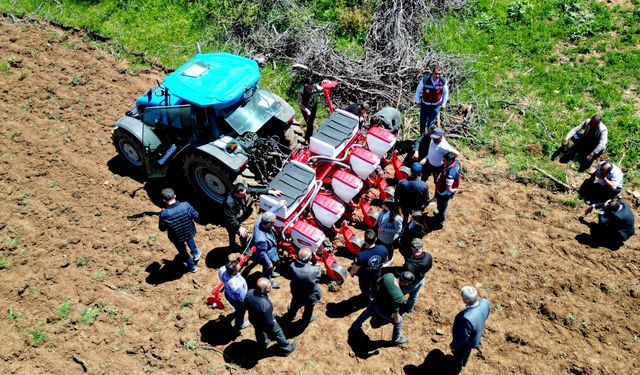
(77, 229)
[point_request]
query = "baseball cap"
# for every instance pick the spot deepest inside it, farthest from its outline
(416, 168)
(437, 133)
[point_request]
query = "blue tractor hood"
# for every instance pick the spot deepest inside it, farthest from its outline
(213, 79)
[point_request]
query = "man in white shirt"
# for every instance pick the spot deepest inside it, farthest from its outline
(429, 150)
(604, 183)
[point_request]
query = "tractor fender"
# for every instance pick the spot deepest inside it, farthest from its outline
(234, 161)
(137, 128)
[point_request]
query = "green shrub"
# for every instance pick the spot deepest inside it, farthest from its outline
(13, 315)
(89, 315)
(82, 260)
(486, 21)
(35, 337)
(3, 263)
(519, 11)
(64, 310)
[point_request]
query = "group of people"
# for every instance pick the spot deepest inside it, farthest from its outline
(401, 225)
(602, 187)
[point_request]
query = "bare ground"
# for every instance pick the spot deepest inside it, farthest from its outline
(559, 306)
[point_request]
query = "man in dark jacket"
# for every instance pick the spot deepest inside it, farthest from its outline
(237, 208)
(414, 230)
(261, 317)
(615, 222)
(266, 240)
(305, 291)
(359, 110)
(367, 264)
(308, 103)
(386, 305)
(412, 193)
(418, 264)
(468, 326)
(177, 220)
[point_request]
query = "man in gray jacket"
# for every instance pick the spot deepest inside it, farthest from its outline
(305, 291)
(468, 326)
(589, 141)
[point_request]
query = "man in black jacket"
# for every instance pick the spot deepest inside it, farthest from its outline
(237, 208)
(261, 317)
(305, 291)
(615, 222)
(177, 219)
(412, 193)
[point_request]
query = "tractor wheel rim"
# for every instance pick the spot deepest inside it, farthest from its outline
(131, 153)
(210, 182)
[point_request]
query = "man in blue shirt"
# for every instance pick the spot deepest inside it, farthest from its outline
(177, 220)
(261, 317)
(235, 289)
(468, 326)
(266, 240)
(367, 264)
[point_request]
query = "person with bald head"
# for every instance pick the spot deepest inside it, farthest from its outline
(605, 182)
(468, 325)
(305, 291)
(589, 141)
(260, 310)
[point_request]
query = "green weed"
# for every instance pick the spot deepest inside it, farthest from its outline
(82, 260)
(35, 337)
(4, 67)
(64, 310)
(3, 263)
(100, 275)
(13, 315)
(190, 344)
(89, 315)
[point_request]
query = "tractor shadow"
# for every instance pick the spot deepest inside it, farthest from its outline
(435, 363)
(169, 270)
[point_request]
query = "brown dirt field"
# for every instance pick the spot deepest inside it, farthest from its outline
(559, 306)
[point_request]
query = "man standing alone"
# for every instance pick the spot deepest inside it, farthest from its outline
(468, 326)
(177, 220)
(432, 94)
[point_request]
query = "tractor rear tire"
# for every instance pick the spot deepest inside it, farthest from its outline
(207, 177)
(340, 272)
(129, 148)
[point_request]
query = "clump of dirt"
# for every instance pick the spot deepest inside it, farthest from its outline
(89, 284)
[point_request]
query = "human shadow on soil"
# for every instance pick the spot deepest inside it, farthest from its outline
(435, 363)
(219, 331)
(363, 347)
(247, 353)
(347, 307)
(170, 270)
(594, 239)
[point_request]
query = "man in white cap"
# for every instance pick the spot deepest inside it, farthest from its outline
(429, 150)
(468, 326)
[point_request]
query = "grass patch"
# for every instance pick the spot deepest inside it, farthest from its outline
(82, 260)
(190, 344)
(89, 315)
(100, 275)
(13, 315)
(35, 337)
(64, 310)
(3, 263)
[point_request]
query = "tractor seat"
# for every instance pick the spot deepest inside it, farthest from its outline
(333, 135)
(295, 180)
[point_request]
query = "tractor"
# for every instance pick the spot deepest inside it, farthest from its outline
(209, 120)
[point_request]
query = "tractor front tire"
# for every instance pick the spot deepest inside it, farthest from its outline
(207, 177)
(129, 148)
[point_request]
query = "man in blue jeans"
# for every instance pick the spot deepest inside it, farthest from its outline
(177, 220)
(266, 240)
(235, 289)
(446, 187)
(419, 263)
(432, 94)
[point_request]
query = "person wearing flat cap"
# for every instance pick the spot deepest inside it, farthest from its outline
(412, 193)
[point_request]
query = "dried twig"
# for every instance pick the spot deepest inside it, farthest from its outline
(546, 174)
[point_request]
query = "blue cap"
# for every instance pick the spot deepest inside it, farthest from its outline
(437, 133)
(416, 168)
